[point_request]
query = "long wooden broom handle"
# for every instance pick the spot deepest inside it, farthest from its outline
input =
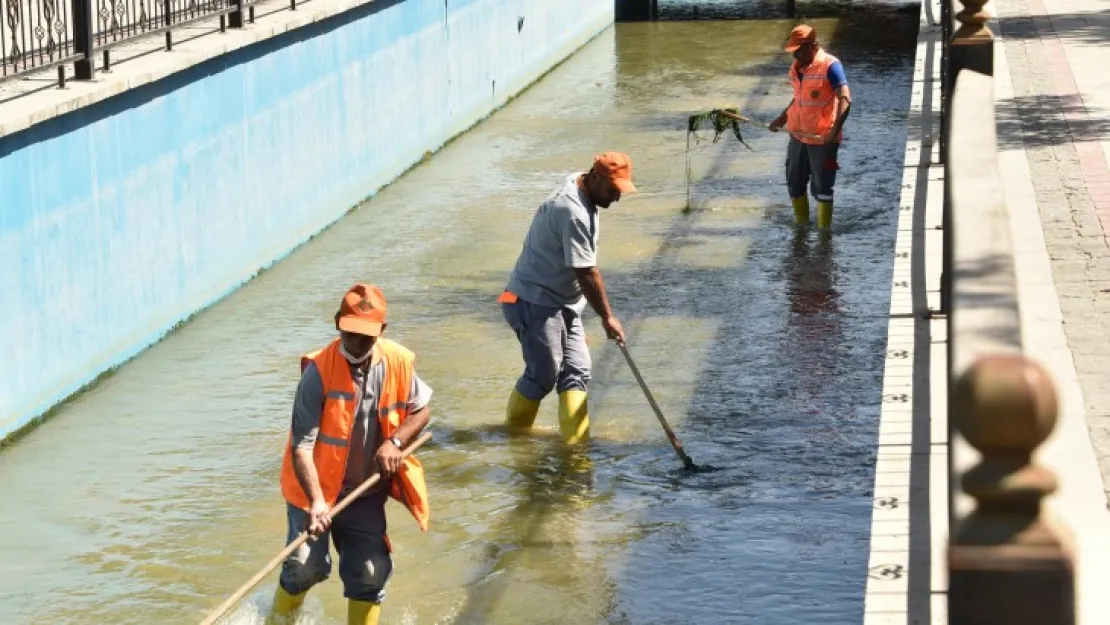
(754, 122)
(675, 443)
(304, 536)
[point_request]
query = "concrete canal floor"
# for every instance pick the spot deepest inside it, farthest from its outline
(152, 496)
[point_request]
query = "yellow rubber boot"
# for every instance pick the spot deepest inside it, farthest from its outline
(284, 606)
(801, 209)
(363, 612)
(824, 214)
(521, 413)
(574, 417)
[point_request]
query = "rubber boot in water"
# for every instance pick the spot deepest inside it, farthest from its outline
(574, 417)
(824, 214)
(284, 607)
(363, 612)
(801, 209)
(521, 413)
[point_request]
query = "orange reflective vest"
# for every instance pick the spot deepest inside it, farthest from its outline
(329, 455)
(814, 107)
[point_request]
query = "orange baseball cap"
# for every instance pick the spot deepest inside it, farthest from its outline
(800, 35)
(617, 167)
(362, 310)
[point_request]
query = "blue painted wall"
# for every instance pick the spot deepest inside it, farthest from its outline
(120, 220)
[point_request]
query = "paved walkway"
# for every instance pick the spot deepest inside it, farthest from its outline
(1059, 115)
(1054, 150)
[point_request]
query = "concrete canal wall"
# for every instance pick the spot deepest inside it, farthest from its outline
(122, 218)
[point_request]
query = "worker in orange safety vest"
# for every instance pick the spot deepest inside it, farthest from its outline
(816, 114)
(358, 403)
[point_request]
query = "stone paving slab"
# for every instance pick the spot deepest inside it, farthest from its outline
(1052, 134)
(1084, 28)
(1053, 113)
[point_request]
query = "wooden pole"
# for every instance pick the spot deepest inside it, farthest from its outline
(300, 540)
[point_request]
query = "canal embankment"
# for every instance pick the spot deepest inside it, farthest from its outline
(139, 198)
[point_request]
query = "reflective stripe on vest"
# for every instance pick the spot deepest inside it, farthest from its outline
(814, 107)
(337, 415)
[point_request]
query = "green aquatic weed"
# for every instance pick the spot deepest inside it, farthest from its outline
(719, 123)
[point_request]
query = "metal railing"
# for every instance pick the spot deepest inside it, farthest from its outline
(1006, 565)
(40, 34)
(119, 21)
(35, 35)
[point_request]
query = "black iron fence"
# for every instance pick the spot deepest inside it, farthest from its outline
(36, 35)
(119, 21)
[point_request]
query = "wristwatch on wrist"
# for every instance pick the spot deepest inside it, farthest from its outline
(396, 441)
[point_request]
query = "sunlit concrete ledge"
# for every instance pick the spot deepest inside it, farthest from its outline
(37, 98)
(906, 582)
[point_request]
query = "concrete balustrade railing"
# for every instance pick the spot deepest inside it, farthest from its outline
(1006, 563)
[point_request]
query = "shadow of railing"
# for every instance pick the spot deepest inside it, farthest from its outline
(1005, 564)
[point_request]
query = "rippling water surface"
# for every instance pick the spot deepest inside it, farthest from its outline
(154, 495)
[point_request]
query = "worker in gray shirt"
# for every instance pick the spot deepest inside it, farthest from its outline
(358, 403)
(555, 276)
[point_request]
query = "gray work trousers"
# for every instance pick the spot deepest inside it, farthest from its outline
(812, 165)
(365, 563)
(553, 343)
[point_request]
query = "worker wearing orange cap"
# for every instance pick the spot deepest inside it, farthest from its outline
(816, 114)
(359, 402)
(555, 276)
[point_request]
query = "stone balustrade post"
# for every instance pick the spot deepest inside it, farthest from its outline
(1007, 565)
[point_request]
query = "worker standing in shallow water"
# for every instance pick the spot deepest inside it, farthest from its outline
(820, 106)
(555, 276)
(359, 402)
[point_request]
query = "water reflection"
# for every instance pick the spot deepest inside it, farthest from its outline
(532, 548)
(810, 284)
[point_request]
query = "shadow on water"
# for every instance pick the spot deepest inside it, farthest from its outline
(681, 10)
(790, 376)
(786, 396)
(550, 486)
(763, 345)
(550, 482)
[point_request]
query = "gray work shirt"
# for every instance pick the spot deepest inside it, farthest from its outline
(365, 434)
(563, 237)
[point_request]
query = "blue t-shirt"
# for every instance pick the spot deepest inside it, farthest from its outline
(836, 76)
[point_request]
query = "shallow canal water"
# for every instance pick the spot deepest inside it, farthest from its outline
(151, 497)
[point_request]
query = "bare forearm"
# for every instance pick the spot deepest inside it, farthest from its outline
(593, 287)
(786, 111)
(305, 470)
(413, 425)
(843, 105)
